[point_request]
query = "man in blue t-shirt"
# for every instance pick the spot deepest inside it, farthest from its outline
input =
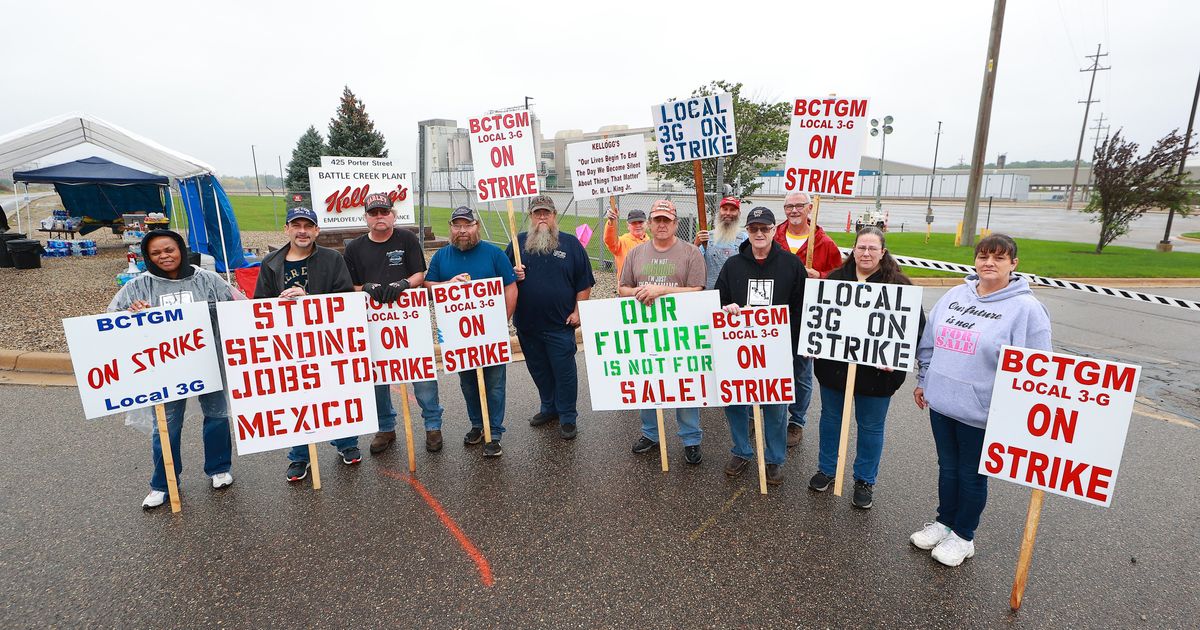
(467, 258)
(554, 277)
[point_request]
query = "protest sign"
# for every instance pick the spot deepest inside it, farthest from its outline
(694, 128)
(472, 324)
(331, 161)
(1057, 422)
(339, 193)
(299, 371)
(503, 156)
(754, 356)
(125, 361)
(401, 338)
(825, 144)
(603, 168)
(858, 322)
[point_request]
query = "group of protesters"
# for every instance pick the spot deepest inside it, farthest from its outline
(752, 261)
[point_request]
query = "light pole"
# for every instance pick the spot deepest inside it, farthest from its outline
(257, 186)
(875, 129)
(936, 143)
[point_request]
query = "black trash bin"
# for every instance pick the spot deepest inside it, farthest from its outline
(5, 260)
(26, 253)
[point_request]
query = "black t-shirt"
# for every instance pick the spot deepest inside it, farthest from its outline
(295, 273)
(394, 259)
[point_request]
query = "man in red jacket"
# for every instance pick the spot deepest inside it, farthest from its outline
(796, 235)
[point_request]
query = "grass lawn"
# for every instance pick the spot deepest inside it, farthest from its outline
(1056, 259)
(1195, 235)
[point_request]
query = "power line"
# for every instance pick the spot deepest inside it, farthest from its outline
(1095, 67)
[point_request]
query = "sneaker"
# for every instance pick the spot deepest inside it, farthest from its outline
(351, 456)
(473, 437)
(953, 550)
(736, 465)
(542, 418)
(154, 499)
(644, 445)
(567, 431)
(492, 449)
(863, 492)
(433, 440)
(297, 471)
(774, 474)
(692, 455)
(382, 441)
(929, 537)
(222, 480)
(820, 482)
(795, 434)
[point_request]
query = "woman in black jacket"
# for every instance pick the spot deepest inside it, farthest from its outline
(873, 387)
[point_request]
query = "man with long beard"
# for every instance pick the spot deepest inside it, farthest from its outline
(555, 275)
(723, 241)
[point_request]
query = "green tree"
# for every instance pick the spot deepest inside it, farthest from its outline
(762, 138)
(1127, 185)
(308, 152)
(351, 132)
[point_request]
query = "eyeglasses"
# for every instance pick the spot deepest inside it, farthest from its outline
(865, 249)
(455, 227)
(796, 206)
(758, 229)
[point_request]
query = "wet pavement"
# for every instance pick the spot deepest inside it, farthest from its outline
(586, 534)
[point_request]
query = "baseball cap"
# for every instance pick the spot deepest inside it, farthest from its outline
(731, 201)
(300, 212)
(463, 212)
(761, 214)
(378, 200)
(542, 202)
(663, 207)
(636, 215)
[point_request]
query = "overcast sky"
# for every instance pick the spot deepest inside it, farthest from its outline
(210, 79)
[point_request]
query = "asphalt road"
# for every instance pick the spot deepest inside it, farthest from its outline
(585, 534)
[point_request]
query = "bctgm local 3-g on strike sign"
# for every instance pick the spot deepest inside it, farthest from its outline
(125, 361)
(640, 356)
(858, 322)
(753, 348)
(825, 145)
(472, 321)
(1057, 422)
(401, 338)
(695, 128)
(298, 371)
(503, 156)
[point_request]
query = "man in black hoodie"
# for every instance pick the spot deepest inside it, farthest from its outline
(761, 274)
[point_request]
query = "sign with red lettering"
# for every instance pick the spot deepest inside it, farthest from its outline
(694, 128)
(125, 361)
(339, 193)
(503, 155)
(298, 371)
(868, 323)
(472, 321)
(753, 350)
(648, 356)
(609, 167)
(1058, 422)
(825, 145)
(401, 338)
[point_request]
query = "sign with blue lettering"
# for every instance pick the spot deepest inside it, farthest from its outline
(125, 360)
(695, 128)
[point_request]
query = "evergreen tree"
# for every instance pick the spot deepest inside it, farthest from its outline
(308, 152)
(351, 132)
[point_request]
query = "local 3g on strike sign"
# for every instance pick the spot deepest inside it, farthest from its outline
(825, 144)
(472, 324)
(503, 156)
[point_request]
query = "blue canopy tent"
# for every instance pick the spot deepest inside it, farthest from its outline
(205, 203)
(97, 189)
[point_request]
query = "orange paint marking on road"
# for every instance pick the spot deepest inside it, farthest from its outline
(485, 569)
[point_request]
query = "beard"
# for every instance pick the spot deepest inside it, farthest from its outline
(466, 241)
(725, 232)
(541, 240)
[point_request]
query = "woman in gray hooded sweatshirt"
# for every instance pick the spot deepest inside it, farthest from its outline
(957, 357)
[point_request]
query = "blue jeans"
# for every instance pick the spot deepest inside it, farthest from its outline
(426, 393)
(870, 413)
(299, 453)
(687, 418)
(962, 491)
(494, 378)
(774, 431)
(550, 357)
(218, 446)
(802, 367)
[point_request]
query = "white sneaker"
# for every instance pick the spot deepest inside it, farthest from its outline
(953, 550)
(153, 500)
(220, 480)
(929, 537)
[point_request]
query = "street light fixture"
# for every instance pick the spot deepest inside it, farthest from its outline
(886, 129)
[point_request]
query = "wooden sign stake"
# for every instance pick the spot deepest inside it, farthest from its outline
(758, 444)
(316, 468)
(1032, 518)
(812, 231)
(512, 230)
(698, 175)
(487, 423)
(164, 440)
(408, 431)
(662, 441)
(847, 407)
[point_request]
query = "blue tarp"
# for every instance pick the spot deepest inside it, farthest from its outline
(205, 203)
(93, 170)
(100, 190)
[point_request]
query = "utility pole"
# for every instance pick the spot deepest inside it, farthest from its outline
(936, 143)
(255, 158)
(1087, 106)
(982, 126)
(1165, 245)
(1100, 126)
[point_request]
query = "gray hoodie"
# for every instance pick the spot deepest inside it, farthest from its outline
(193, 284)
(960, 347)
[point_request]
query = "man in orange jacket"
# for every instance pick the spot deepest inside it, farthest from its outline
(634, 237)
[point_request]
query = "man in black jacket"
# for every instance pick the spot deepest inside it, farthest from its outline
(761, 274)
(304, 268)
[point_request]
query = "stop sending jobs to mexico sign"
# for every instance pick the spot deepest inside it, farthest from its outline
(503, 156)
(825, 145)
(695, 128)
